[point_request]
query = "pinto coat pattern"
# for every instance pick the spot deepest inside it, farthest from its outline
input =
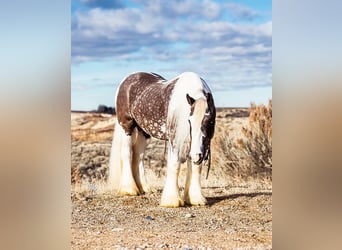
(181, 111)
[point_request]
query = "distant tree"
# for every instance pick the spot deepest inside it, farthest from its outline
(101, 109)
(104, 109)
(111, 110)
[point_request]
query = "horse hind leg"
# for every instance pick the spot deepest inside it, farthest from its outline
(138, 163)
(128, 185)
(115, 162)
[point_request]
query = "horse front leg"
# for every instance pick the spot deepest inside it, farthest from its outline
(171, 195)
(193, 191)
(127, 185)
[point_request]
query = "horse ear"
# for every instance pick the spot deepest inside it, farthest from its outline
(207, 96)
(210, 99)
(211, 104)
(190, 99)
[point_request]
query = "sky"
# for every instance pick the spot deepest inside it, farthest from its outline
(228, 43)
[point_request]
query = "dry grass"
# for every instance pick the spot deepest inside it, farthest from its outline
(247, 152)
(258, 136)
(91, 127)
(241, 148)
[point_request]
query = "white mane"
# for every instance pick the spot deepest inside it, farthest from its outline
(179, 109)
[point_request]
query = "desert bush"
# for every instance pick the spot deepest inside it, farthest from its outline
(251, 154)
(258, 143)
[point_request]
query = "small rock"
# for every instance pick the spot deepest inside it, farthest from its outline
(117, 229)
(117, 247)
(163, 245)
(189, 215)
(149, 217)
(230, 230)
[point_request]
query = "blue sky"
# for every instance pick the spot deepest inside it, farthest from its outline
(228, 43)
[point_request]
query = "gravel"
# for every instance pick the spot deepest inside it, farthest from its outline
(241, 217)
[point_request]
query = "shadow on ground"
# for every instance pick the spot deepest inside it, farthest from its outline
(213, 200)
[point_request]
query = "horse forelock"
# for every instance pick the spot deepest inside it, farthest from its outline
(199, 110)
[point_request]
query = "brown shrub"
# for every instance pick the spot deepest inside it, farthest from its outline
(251, 154)
(258, 143)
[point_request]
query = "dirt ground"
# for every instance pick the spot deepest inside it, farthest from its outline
(238, 214)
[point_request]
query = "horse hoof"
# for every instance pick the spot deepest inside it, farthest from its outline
(146, 190)
(128, 191)
(175, 202)
(198, 201)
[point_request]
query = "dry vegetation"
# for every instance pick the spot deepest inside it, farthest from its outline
(239, 189)
(248, 153)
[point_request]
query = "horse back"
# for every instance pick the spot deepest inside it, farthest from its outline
(142, 101)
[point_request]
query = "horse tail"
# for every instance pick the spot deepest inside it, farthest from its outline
(115, 161)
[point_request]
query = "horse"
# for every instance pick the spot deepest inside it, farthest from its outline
(180, 111)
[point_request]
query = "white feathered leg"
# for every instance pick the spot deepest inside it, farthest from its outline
(127, 185)
(193, 191)
(138, 163)
(115, 162)
(171, 195)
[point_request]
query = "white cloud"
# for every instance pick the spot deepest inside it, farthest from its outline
(266, 28)
(211, 9)
(188, 35)
(105, 4)
(242, 12)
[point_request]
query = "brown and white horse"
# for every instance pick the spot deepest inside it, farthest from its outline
(181, 111)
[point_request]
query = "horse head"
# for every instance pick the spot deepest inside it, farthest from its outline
(202, 125)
